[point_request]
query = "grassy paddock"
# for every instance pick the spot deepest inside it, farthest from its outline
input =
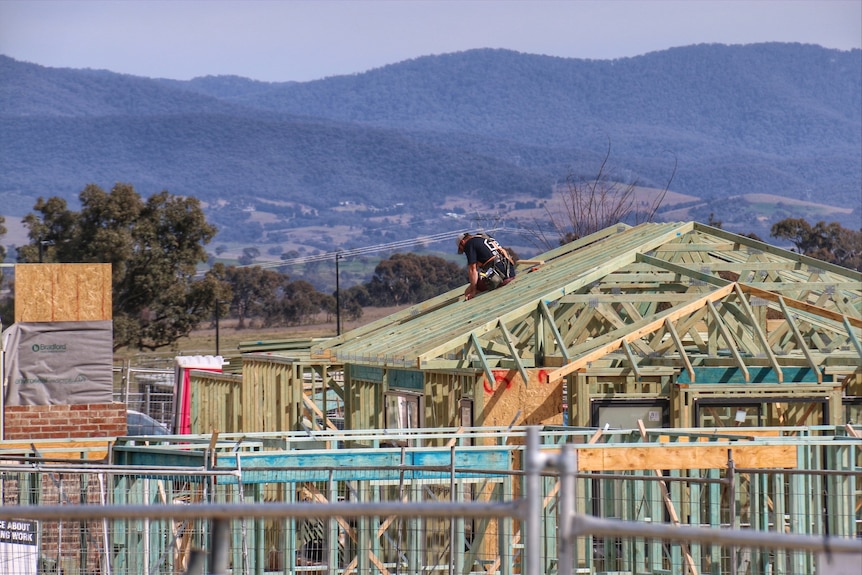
(203, 341)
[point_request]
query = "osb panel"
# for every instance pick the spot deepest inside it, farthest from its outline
(74, 449)
(666, 457)
(510, 402)
(742, 432)
(62, 292)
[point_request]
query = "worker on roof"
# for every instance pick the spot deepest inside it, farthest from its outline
(489, 265)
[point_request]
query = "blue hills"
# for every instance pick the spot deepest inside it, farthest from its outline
(403, 148)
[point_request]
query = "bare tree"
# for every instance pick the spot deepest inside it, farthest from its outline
(590, 205)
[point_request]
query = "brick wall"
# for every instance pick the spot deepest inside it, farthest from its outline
(78, 421)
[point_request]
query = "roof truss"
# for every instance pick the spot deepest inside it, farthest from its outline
(656, 294)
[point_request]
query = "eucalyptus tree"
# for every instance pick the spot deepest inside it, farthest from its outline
(253, 290)
(5, 303)
(2, 247)
(154, 247)
(828, 242)
(411, 278)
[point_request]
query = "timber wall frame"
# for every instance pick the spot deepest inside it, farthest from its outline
(680, 312)
(278, 394)
(655, 310)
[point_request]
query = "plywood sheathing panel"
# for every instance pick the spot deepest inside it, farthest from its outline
(62, 292)
(508, 401)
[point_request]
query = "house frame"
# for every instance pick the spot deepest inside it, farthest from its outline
(681, 314)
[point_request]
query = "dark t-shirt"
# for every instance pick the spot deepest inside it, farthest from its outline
(480, 250)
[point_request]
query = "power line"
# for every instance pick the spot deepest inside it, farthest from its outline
(365, 250)
(406, 243)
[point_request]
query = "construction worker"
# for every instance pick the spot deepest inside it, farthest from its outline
(489, 265)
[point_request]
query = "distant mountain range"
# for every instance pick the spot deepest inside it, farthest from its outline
(420, 146)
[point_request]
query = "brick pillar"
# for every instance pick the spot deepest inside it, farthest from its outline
(79, 421)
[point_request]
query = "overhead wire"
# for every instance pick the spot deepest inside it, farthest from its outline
(345, 253)
(376, 248)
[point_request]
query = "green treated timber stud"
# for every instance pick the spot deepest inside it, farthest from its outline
(549, 522)
(474, 343)
(653, 506)
(639, 544)
(695, 517)
(764, 499)
(851, 334)
(779, 517)
(549, 324)
(714, 518)
(728, 338)
(505, 530)
(363, 547)
(375, 542)
(331, 527)
(675, 492)
(798, 509)
(258, 538)
(458, 542)
(514, 352)
(290, 525)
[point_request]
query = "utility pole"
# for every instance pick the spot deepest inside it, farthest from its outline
(217, 315)
(42, 244)
(337, 297)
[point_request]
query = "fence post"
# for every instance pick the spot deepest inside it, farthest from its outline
(197, 560)
(566, 510)
(452, 499)
(733, 519)
(220, 546)
(533, 519)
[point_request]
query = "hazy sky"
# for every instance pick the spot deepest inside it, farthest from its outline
(280, 40)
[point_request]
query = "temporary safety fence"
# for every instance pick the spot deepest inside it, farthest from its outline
(536, 505)
(147, 389)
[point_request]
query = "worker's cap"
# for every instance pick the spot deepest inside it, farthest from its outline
(461, 241)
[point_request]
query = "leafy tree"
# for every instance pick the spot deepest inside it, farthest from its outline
(6, 308)
(153, 247)
(352, 301)
(2, 247)
(410, 278)
(828, 242)
(248, 256)
(253, 289)
(299, 303)
(269, 296)
(359, 294)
